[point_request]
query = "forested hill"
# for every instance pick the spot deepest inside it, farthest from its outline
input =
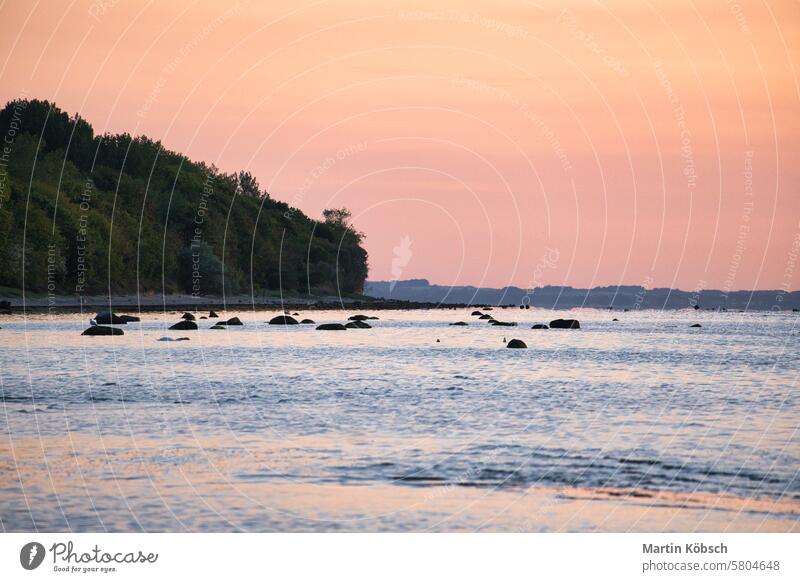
(89, 214)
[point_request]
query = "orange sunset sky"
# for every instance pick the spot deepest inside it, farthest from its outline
(509, 143)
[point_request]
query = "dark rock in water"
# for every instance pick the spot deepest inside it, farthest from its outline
(486, 316)
(188, 316)
(182, 339)
(373, 317)
(296, 314)
(358, 325)
(476, 313)
(565, 324)
(234, 321)
(203, 317)
(487, 309)
(697, 307)
(128, 318)
(307, 321)
(540, 326)
(103, 330)
(496, 323)
(283, 320)
(695, 325)
(217, 326)
(515, 343)
(212, 313)
(184, 324)
(358, 317)
(527, 306)
(331, 327)
(107, 317)
(615, 319)
(460, 323)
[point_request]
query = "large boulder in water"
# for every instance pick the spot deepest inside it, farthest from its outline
(103, 330)
(212, 313)
(695, 325)
(128, 318)
(234, 321)
(565, 324)
(358, 325)
(486, 316)
(476, 313)
(307, 321)
(540, 326)
(460, 323)
(283, 320)
(107, 317)
(217, 326)
(188, 316)
(358, 317)
(515, 343)
(331, 327)
(496, 323)
(184, 324)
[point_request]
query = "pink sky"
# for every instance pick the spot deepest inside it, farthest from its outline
(512, 143)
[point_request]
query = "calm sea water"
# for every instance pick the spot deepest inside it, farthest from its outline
(97, 431)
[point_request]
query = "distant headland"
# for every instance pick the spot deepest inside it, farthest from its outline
(556, 297)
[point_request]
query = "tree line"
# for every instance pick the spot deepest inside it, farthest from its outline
(90, 214)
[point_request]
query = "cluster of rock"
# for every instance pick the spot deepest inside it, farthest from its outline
(358, 321)
(517, 343)
(101, 325)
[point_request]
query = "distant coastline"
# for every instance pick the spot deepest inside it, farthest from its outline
(420, 294)
(555, 297)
